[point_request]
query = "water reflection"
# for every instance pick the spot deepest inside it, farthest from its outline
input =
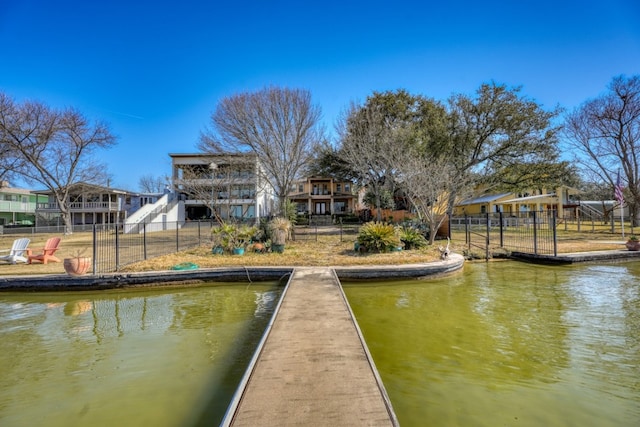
(156, 357)
(508, 343)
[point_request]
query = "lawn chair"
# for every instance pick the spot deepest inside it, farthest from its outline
(50, 247)
(17, 252)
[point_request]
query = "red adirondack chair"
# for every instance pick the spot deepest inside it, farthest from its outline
(50, 247)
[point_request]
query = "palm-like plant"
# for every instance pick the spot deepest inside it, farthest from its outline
(378, 237)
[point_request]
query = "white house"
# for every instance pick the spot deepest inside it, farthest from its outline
(228, 186)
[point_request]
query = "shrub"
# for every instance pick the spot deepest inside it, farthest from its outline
(412, 237)
(378, 237)
(231, 236)
(279, 229)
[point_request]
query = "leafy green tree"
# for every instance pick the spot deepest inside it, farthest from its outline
(502, 137)
(371, 134)
(383, 201)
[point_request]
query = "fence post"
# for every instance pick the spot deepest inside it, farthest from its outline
(117, 249)
(467, 232)
(535, 233)
(487, 239)
(486, 251)
(144, 239)
(94, 265)
(555, 233)
(501, 217)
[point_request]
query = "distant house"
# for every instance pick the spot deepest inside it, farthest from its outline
(88, 203)
(481, 204)
(526, 201)
(228, 186)
(323, 196)
(17, 206)
(138, 200)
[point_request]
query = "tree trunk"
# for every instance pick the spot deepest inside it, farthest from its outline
(66, 217)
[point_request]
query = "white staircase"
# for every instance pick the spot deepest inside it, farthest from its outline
(162, 211)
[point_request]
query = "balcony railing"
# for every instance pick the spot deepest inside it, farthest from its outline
(6, 206)
(81, 207)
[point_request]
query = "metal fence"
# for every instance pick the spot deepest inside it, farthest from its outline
(530, 232)
(113, 249)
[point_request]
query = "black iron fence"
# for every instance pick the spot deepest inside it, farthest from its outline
(113, 248)
(530, 232)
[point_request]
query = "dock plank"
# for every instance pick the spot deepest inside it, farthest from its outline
(313, 368)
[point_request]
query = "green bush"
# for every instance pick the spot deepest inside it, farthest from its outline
(412, 237)
(231, 236)
(378, 237)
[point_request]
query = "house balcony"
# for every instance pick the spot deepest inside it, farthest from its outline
(28, 207)
(223, 201)
(80, 207)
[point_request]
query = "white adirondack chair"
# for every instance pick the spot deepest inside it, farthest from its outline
(17, 252)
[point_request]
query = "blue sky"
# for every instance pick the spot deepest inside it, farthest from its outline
(155, 70)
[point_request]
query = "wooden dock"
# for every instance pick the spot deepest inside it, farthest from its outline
(313, 368)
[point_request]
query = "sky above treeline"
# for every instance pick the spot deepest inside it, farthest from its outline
(155, 70)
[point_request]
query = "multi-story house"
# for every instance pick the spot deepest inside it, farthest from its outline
(17, 206)
(88, 204)
(512, 203)
(323, 196)
(223, 186)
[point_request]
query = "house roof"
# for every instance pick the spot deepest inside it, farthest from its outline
(13, 190)
(91, 187)
(483, 199)
(531, 198)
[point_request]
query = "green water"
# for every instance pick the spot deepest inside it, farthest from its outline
(508, 344)
(128, 358)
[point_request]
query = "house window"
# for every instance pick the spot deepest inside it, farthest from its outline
(483, 209)
(300, 188)
(347, 188)
(340, 206)
(235, 211)
(338, 188)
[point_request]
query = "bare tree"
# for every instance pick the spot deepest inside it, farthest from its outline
(605, 135)
(427, 183)
(8, 162)
(279, 125)
(365, 137)
(152, 184)
(54, 148)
